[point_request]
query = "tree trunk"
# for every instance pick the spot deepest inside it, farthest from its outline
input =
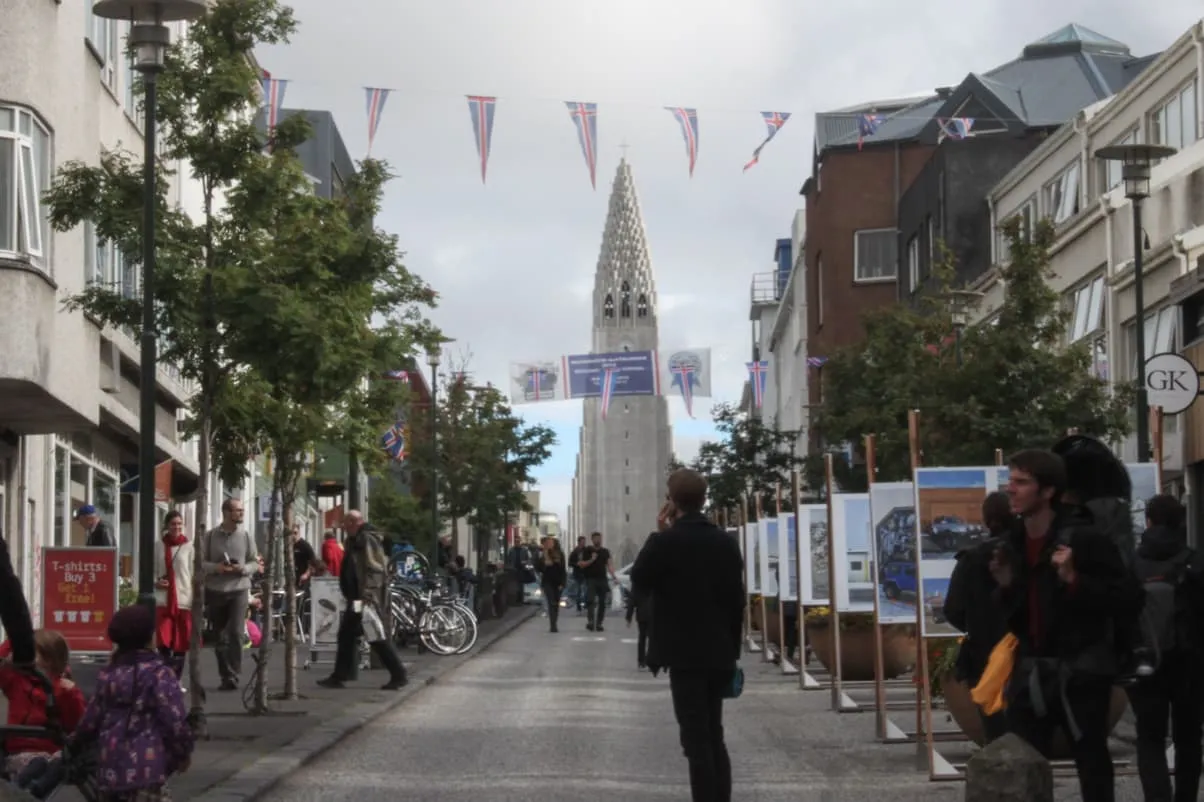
(266, 591)
(290, 596)
(196, 690)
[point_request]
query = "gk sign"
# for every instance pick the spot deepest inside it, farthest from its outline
(1171, 382)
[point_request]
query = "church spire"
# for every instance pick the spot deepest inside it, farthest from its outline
(624, 293)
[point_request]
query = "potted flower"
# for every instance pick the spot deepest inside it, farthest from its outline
(857, 644)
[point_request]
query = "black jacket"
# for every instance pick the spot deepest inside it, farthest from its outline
(639, 607)
(553, 574)
(1077, 623)
(970, 607)
(1159, 544)
(693, 573)
(100, 536)
(14, 612)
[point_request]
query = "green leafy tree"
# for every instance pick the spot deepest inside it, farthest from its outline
(750, 458)
(208, 95)
(401, 514)
(1011, 385)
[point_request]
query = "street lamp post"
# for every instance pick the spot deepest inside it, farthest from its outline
(960, 304)
(432, 358)
(1136, 161)
(149, 36)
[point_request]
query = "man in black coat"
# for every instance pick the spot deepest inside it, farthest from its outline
(693, 573)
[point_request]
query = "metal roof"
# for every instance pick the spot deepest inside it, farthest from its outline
(1054, 78)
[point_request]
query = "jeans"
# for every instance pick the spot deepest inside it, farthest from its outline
(351, 626)
(228, 615)
(595, 600)
(551, 595)
(576, 592)
(1174, 693)
(698, 706)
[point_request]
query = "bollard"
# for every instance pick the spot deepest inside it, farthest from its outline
(1009, 770)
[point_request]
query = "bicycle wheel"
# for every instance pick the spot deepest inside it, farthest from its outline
(442, 630)
(470, 626)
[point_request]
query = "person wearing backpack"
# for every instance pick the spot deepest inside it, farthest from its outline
(1173, 578)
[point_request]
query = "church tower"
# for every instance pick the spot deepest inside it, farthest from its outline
(620, 482)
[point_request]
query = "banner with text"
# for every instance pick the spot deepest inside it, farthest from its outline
(79, 595)
(635, 374)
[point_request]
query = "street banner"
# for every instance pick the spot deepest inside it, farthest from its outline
(687, 373)
(635, 373)
(79, 595)
(538, 380)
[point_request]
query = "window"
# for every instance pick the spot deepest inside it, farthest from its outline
(913, 264)
(627, 517)
(101, 35)
(874, 254)
(819, 290)
(641, 306)
(1062, 195)
(24, 178)
(608, 307)
(626, 435)
(129, 84)
(931, 234)
(627, 490)
(625, 308)
(1027, 212)
(1159, 336)
(1088, 315)
(940, 204)
(1174, 122)
(1112, 176)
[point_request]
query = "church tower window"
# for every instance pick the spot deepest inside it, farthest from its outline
(625, 310)
(608, 307)
(641, 306)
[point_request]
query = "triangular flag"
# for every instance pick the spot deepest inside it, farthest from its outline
(482, 109)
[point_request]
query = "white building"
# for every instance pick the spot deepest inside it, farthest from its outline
(68, 387)
(1093, 256)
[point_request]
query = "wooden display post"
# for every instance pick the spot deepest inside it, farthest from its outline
(750, 643)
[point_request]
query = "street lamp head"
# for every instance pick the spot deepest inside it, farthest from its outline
(148, 35)
(960, 304)
(1136, 160)
(432, 357)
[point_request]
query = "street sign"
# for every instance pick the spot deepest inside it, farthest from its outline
(1171, 382)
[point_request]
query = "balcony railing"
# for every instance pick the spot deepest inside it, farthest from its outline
(765, 289)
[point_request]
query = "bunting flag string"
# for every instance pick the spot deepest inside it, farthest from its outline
(954, 128)
(585, 117)
(609, 375)
(482, 108)
(774, 120)
(757, 373)
(816, 361)
(867, 125)
(402, 376)
(393, 441)
(683, 377)
(273, 101)
(688, 119)
(376, 98)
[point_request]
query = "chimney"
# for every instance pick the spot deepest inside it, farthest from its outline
(943, 92)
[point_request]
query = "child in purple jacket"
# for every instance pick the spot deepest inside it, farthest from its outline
(137, 717)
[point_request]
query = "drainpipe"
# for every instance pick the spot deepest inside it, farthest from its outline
(1197, 37)
(993, 233)
(24, 525)
(1113, 303)
(1080, 127)
(1180, 253)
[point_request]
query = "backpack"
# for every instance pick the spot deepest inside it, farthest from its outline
(1165, 627)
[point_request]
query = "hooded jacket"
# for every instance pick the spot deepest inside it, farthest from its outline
(1162, 544)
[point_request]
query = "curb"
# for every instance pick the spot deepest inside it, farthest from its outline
(257, 779)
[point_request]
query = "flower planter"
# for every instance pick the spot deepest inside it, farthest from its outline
(964, 712)
(857, 650)
(770, 622)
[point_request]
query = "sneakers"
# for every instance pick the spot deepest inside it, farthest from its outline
(395, 684)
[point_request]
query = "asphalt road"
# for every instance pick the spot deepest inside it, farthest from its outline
(567, 718)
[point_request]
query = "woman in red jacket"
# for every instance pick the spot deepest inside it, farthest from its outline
(332, 553)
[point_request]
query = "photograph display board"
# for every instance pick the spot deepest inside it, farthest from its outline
(813, 553)
(893, 517)
(752, 558)
(327, 605)
(787, 558)
(768, 531)
(851, 549)
(948, 519)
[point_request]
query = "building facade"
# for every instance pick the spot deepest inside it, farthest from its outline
(1092, 256)
(623, 459)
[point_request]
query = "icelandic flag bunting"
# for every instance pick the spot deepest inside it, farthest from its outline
(402, 376)
(688, 119)
(774, 120)
(867, 125)
(954, 128)
(376, 104)
(393, 441)
(273, 100)
(609, 377)
(481, 109)
(757, 373)
(585, 117)
(683, 377)
(817, 361)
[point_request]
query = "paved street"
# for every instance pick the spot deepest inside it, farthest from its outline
(567, 717)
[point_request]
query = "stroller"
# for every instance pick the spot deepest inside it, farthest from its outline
(75, 765)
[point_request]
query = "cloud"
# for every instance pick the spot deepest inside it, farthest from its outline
(514, 259)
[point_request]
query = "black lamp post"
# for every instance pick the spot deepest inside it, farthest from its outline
(1136, 161)
(432, 359)
(149, 37)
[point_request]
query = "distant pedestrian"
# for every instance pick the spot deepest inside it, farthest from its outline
(595, 562)
(332, 553)
(173, 593)
(96, 531)
(694, 575)
(230, 559)
(578, 583)
(552, 578)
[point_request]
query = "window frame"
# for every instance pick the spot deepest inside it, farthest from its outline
(32, 165)
(102, 37)
(1110, 170)
(1028, 205)
(1158, 118)
(1161, 325)
(913, 263)
(1088, 309)
(819, 290)
(1056, 193)
(893, 238)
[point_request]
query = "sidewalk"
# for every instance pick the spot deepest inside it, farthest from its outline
(246, 755)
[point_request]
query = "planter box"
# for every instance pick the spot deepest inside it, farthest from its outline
(857, 650)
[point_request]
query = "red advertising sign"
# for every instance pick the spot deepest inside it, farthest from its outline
(79, 595)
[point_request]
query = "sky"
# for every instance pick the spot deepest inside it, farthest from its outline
(513, 259)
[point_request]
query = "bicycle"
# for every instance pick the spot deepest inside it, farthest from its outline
(443, 624)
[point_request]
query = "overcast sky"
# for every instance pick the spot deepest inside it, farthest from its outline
(514, 260)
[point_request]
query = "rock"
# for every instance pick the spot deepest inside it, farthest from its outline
(1009, 770)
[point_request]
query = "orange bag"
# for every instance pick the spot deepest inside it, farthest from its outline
(988, 693)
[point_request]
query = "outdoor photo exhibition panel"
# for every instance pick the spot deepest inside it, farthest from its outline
(752, 578)
(767, 545)
(812, 577)
(787, 580)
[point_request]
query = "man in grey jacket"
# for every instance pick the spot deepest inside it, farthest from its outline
(229, 560)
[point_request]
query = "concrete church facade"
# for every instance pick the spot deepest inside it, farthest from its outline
(621, 463)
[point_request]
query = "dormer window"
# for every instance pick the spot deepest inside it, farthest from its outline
(608, 307)
(641, 306)
(625, 291)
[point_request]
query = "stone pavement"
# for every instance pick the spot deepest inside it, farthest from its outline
(245, 755)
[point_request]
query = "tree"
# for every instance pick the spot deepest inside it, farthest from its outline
(751, 458)
(401, 514)
(1010, 385)
(208, 95)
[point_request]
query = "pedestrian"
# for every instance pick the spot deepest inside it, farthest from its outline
(1173, 578)
(1062, 585)
(578, 586)
(595, 563)
(173, 593)
(29, 705)
(332, 553)
(694, 576)
(363, 583)
(229, 560)
(137, 716)
(552, 577)
(639, 607)
(970, 602)
(96, 531)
